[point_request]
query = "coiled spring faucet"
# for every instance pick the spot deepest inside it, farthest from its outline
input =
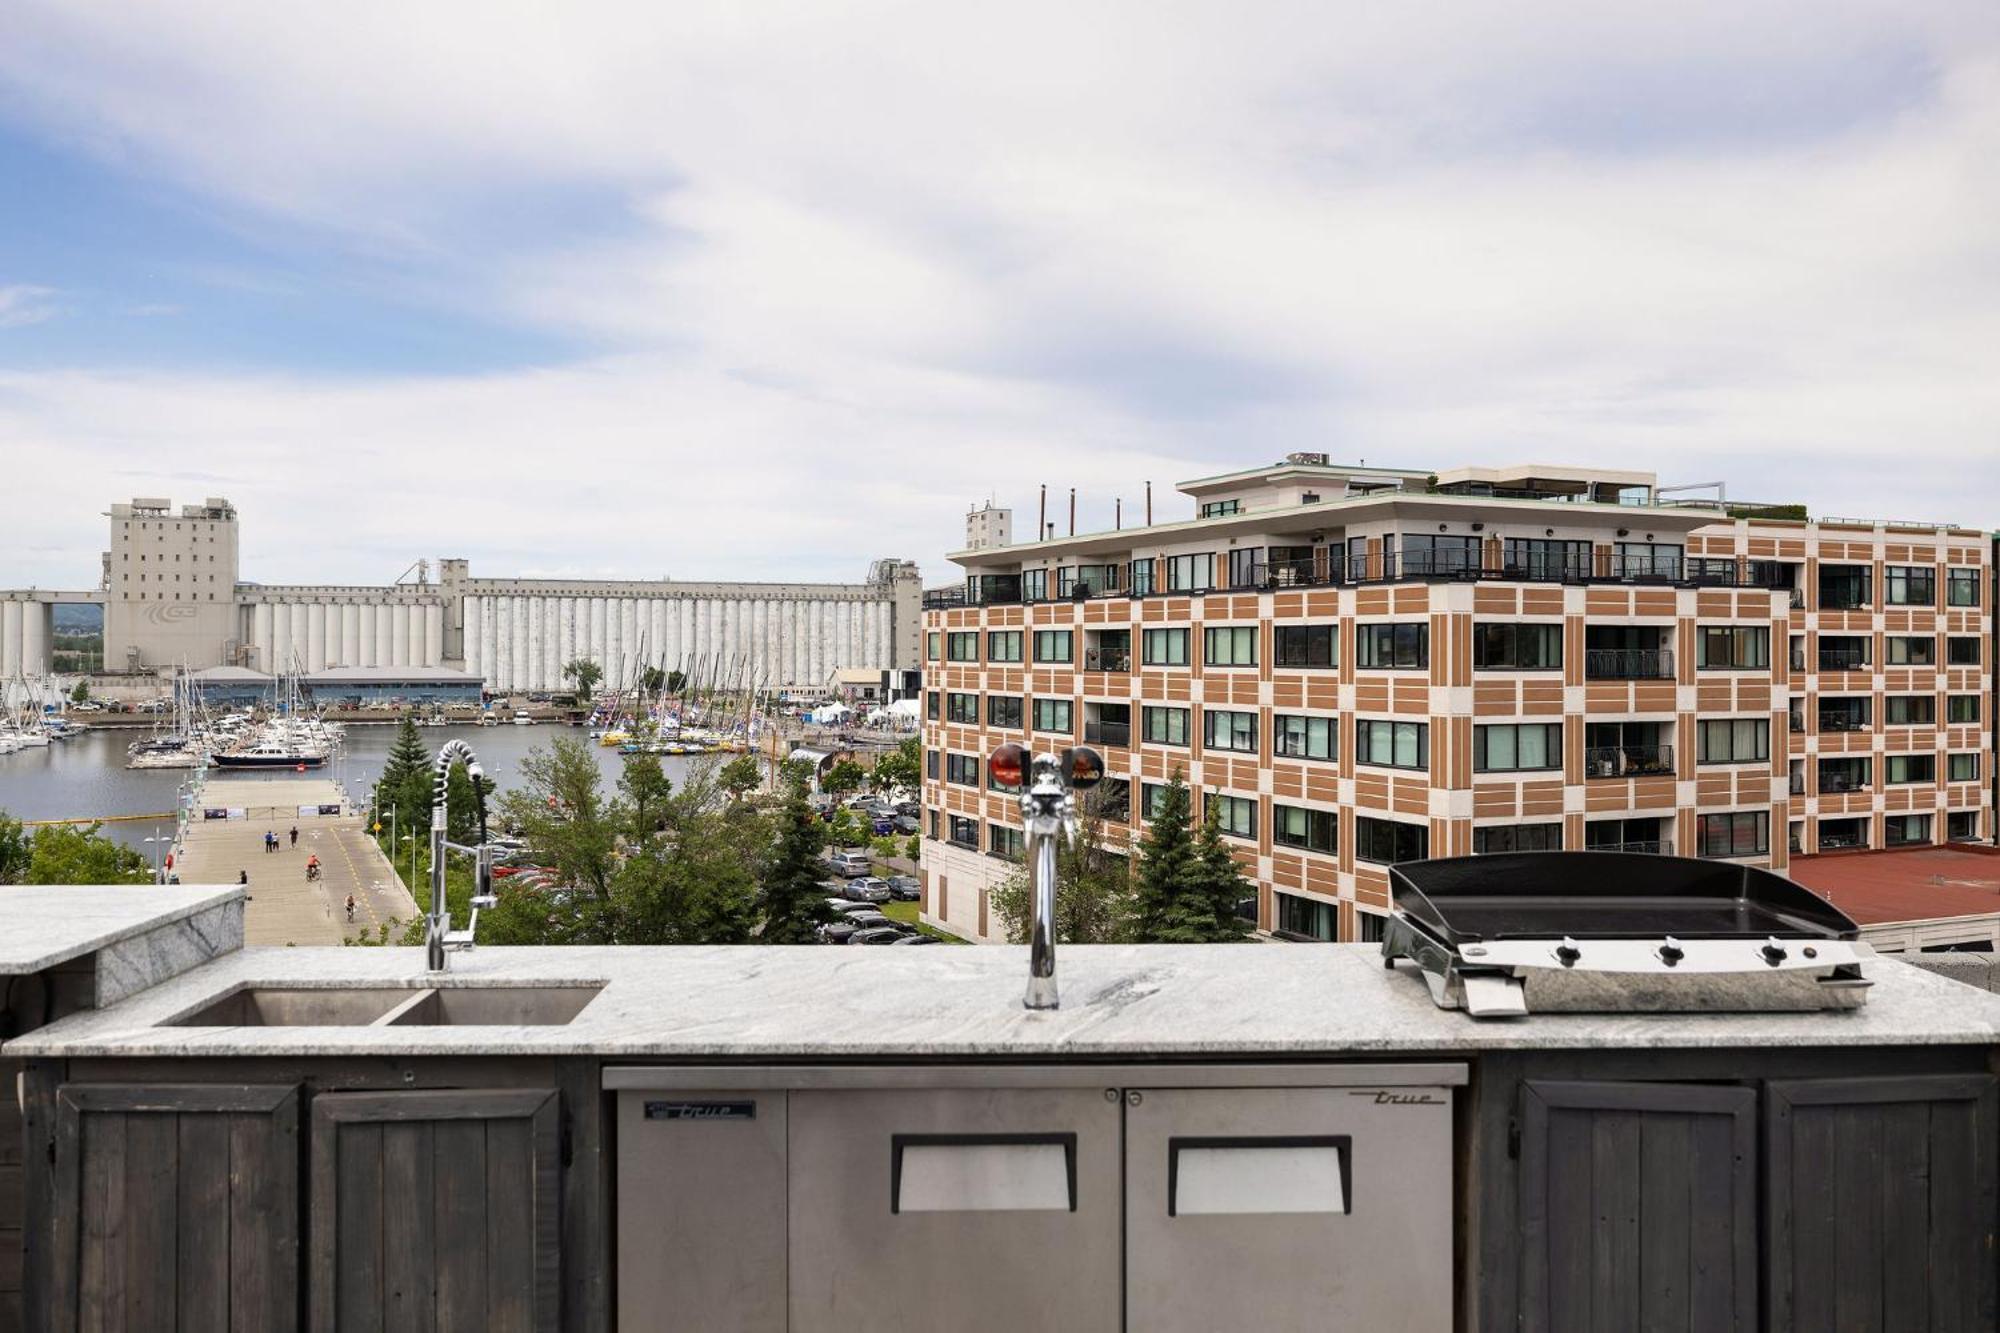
(1048, 785)
(438, 934)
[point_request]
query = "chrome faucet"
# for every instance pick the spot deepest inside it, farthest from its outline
(438, 934)
(1048, 785)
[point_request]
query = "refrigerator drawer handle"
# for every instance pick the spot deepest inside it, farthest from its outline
(1292, 1174)
(982, 1173)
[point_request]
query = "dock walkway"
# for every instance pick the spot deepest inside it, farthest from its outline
(284, 907)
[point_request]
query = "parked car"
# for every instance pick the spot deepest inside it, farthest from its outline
(882, 828)
(905, 824)
(877, 935)
(850, 864)
(868, 889)
(916, 939)
(905, 888)
(838, 932)
(845, 907)
(910, 808)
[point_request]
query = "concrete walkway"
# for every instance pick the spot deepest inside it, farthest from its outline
(284, 907)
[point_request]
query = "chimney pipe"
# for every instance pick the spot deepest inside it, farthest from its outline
(1118, 514)
(1072, 511)
(1149, 504)
(1042, 520)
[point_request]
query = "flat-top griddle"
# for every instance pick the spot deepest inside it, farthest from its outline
(1620, 932)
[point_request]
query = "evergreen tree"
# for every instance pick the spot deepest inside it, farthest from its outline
(405, 784)
(792, 900)
(739, 776)
(1166, 866)
(462, 806)
(1217, 887)
(646, 789)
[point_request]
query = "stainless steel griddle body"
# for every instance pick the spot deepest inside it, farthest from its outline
(1617, 932)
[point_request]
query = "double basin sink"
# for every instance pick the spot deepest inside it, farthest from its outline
(391, 1006)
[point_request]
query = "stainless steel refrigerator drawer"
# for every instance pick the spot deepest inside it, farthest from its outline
(1313, 1207)
(701, 1211)
(968, 1208)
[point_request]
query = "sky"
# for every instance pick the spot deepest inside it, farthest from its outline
(743, 290)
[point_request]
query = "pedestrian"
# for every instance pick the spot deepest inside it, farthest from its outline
(295, 835)
(242, 877)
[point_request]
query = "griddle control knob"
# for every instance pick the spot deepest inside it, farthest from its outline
(1567, 953)
(1671, 951)
(1774, 952)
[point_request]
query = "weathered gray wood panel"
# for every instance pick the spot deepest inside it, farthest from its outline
(1638, 1207)
(176, 1207)
(436, 1211)
(1882, 1203)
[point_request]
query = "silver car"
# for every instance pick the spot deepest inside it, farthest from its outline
(867, 889)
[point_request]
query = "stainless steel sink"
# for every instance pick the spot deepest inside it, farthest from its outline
(392, 1006)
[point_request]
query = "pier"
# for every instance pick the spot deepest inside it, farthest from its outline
(285, 908)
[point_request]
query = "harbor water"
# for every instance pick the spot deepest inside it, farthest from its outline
(86, 775)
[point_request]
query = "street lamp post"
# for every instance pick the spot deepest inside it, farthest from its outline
(154, 842)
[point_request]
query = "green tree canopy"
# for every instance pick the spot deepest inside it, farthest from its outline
(646, 788)
(739, 776)
(561, 812)
(902, 766)
(792, 901)
(1166, 868)
(586, 673)
(80, 854)
(842, 777)
(81, 694)
(652, 679)
(14, 850)
(1094, 899)
(406, 783)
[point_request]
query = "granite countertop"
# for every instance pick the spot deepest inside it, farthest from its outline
(42, 925)
(834, 1003)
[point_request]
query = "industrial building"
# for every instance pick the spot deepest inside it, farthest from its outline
(174, 597)
(1354, 666)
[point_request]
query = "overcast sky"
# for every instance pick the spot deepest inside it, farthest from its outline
(755, 291)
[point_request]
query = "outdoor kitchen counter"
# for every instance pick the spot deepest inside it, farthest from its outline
(692, 1004)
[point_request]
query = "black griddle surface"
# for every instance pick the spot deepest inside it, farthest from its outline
(1607, 895)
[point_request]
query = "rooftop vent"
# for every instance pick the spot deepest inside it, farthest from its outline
(1306, 460)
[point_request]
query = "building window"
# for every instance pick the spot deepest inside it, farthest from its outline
(1246, 567)
(1732, 647)
(1054, 715)
(1517, 838)
(1003, 646)
(1234, 815)
(1140, 577)
(1003, 710)
(1912, 650)
(1843, 774)
(962, 709)
(1909, 710)
(931, 704)
(1305, 918)
(1312, 830)
(962, 647)
(1217, 508)
(1223, 730)
(1055, 645)
(1503, 646)
(1004, 842)
(1843, 652)
(931, 769)
(965, 832)
(933, 645)
(1086, 580)
(1909, 585)
(1962, 825)
(1517, 747)
(1305, 646)
(1190, 573)
(1747, 833)
(1397, 647)
(1906, 830)
(1962, 768)
(1305, 737)
(1429, 553)
(1164, 647)
(1164, 726)
(1153, 795)
(1392, 744)
(962, 769)
(1961, 708)
(1960, 650)
(1741, 740)
(1647, 560)
(1034, 585)
(1385, 841)
(1230, 646)
(1961, 587)
(1843, 587)
(1904, 769)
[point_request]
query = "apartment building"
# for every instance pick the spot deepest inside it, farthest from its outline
(1355, 666)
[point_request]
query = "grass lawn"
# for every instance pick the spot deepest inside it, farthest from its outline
(905, 914)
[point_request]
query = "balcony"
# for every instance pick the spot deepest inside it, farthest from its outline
(1628, 761)
(1643, 569)
(1118, 735)
(1843, 659)
(1107, 659)
(1842, 720)
(1836, 782)
(1628, 663)
(1841, 839)
(944, 599)
(1648, 847)
(1797, 722)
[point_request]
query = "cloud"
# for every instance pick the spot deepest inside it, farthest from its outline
(844, 270)
(21, 304)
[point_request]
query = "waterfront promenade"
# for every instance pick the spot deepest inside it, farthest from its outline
(284, 907)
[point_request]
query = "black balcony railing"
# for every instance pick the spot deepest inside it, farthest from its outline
(1798, 784)
(1797, 720)
(1117, 734)
(1643, 569)
(1649, 846)
(1841, 721)
(1628, 761)
(1107, 659)
(943, 599)
(1834, 784)
(1550, 569)
(1628, 663)
(1843, 659)
(1833, 842)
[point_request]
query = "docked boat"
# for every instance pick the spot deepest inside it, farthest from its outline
(271, 754)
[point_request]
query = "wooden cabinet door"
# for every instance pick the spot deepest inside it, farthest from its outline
(1638, 1207)
(177, 1207)
(1880, 1201)
(435, 1211)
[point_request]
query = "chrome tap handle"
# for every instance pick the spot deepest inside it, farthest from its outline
(1048, 786)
